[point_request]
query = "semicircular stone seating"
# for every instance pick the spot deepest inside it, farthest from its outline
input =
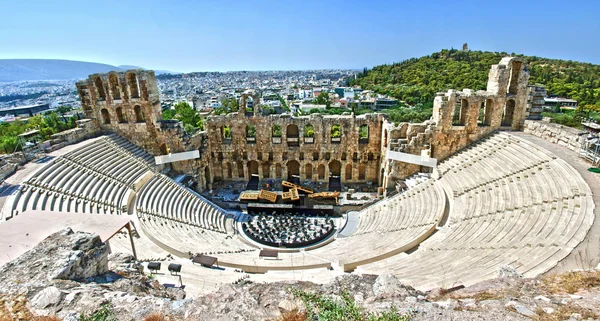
(183, 222)
(511, 203)
(96, 178)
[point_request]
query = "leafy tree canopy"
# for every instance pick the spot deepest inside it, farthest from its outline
(416, 80)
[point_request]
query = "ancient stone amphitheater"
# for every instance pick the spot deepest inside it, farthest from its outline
(496, 200)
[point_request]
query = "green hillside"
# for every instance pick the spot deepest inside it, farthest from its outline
(416, 80)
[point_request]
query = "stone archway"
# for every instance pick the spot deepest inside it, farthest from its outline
(293, 169)
(252, 168)
(335, 168)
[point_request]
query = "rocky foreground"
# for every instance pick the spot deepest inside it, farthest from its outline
(71, 273)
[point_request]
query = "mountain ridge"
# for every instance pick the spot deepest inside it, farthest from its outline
(54, 69)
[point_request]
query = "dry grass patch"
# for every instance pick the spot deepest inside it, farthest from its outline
(564, 312)
(293, 315)
(571, 282)
(158, 317)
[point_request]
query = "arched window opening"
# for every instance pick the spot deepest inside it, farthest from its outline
(100, 88)
(363, 134)
(133, 84)
(513, 84)
(348, 171)
(309, 134)
(485, 112)
(459, 115)
(113, 81)
(251, 134)
(105, 116)
(139, 114)
(120, 116)
(277, 170)
(321, 171)
(226, 133)
(336, 133)
(362, 172)
(266, 170)
(308, 171)
(292, 135)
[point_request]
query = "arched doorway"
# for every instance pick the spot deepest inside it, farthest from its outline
(335, 168)
(293, 169)
(308, 171)
(508, 113)
(348, 172)
(252, 168)
(321, 171)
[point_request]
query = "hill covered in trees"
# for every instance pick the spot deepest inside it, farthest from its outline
(416, 80)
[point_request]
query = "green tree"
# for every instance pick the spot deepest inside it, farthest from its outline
(251, 131)
(230, 104)
(276, 130)
(336, 131)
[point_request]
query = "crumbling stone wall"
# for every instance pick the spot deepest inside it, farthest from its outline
(462, 117)
(554, 133)
(314, 158)
(127, 103)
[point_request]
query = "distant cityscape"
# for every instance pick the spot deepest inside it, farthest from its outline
(206, 91)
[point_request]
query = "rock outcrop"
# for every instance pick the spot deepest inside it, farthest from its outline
(71, 273)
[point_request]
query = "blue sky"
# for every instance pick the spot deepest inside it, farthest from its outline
(225, 35)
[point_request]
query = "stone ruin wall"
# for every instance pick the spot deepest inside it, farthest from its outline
(354, 160)
(502, 107)
(128, 103)
(555, 133)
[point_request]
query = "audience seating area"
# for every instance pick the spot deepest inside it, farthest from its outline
(184, 222)
(389, 227)
(97, 178)
(511, 203)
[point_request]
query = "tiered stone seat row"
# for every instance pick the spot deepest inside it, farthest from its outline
(389, 227)
(521, 207)
(93, 179)
(162, 197)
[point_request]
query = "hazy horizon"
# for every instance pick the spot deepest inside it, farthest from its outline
(271, 35)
